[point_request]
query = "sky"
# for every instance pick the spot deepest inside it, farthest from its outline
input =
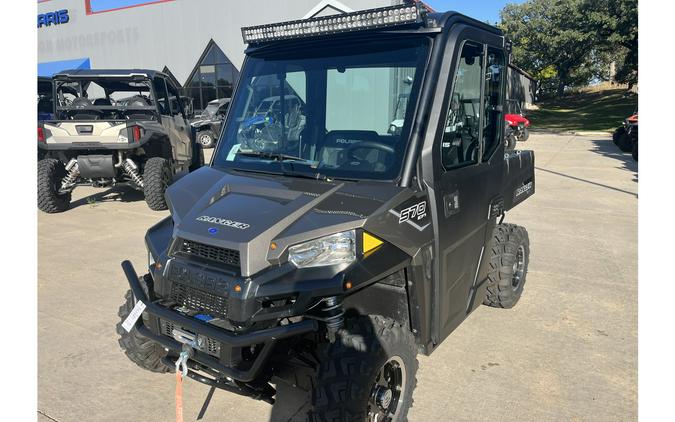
(478, 9)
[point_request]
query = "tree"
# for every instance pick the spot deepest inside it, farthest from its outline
(616, 25)
(571, 42)
(550, 38)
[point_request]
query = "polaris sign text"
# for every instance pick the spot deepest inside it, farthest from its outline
(53, 18)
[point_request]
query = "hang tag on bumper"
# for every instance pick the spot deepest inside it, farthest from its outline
(129, 323)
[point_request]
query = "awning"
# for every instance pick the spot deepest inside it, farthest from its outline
(50, 68)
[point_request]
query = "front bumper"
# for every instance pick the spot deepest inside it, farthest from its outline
(266, 337)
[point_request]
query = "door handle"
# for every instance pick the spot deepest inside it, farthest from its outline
(451, 203)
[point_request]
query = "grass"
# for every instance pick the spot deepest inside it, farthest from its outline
(586, 111)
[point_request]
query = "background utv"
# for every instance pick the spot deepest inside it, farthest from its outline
(113, 127)
(321, 251)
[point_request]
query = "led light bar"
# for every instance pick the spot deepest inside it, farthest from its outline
(383, 17)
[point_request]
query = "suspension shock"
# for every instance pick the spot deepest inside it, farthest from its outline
(333, 315)
(73, 170)
(131, 169)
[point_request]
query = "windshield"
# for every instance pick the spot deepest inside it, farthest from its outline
(326, 116)
(97, 92)
(210, 110)
(105, 98)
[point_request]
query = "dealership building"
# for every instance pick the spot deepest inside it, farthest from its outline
(198, 43)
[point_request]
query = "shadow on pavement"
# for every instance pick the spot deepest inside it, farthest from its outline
(608, 149)
(116, 193)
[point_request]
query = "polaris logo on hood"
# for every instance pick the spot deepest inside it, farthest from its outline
(223, 222)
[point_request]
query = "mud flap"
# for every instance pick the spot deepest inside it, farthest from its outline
(518, 177)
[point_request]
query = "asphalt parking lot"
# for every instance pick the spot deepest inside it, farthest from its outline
(567, 352)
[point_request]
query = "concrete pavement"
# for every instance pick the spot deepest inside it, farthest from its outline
(567, 352)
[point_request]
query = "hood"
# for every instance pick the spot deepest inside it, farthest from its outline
(247, 211)
(516, 119)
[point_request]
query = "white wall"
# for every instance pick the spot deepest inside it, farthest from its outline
(174, 33)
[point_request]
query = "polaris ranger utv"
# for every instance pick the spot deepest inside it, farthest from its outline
(321, 263)
(113, 127)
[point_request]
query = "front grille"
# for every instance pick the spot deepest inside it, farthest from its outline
(212, 253)
(205, 344)
(199, 300)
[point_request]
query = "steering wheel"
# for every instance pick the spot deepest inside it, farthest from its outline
(368, 145)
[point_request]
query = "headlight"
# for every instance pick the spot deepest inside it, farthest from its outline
(337, 248)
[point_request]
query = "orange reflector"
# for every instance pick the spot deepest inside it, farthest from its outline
(348, 285)
(273, 246)
(237, 288)
(370, 242)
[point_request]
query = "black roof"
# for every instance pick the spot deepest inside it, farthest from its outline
(109, 73)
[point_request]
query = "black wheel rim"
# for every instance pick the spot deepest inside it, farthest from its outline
(518, 268)
(387, 391)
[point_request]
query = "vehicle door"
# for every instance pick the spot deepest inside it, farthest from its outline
(180, 121)
(465, 158)
(220, 118)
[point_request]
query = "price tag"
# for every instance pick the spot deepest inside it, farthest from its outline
(129, 323)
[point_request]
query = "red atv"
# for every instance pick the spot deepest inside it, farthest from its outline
(626, 137)
(517, 129)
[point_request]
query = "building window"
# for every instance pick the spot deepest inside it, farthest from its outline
(212, 78)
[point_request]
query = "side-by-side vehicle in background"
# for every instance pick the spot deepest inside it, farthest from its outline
(207, 125)
(626, 136)
(517, 125)
(113, 127)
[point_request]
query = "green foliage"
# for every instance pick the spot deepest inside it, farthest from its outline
(590, 111)
(566, 43)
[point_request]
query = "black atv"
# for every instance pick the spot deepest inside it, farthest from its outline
(208, 124)
(321, 251)
(113, 127)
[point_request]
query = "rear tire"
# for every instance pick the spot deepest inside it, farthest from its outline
(50, 174)
(157, 177)
(367, 349)
(510, 140)
(140, 350)
(509, 258)
(634, 153)
(206, 138)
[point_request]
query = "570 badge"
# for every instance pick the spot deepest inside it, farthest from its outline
(417, 211)
(415, 215)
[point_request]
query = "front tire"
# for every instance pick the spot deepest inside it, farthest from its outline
(50, 174)
(157, 177)
(140, 350)
(206, 138)
(509, 259)
(368, 374)
(625, 143)
(525, 135)
(617, 134)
